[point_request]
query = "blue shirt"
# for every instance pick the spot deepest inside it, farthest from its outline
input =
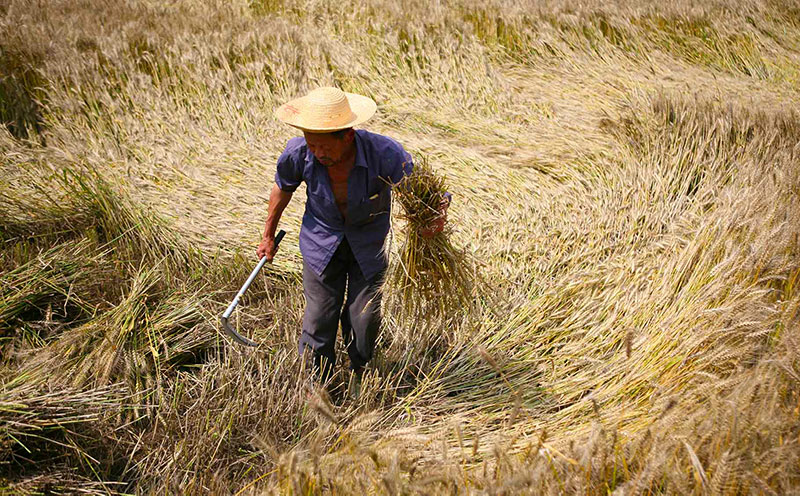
(380, 161)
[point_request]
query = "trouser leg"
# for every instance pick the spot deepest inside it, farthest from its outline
(361, 316)
(324, 296)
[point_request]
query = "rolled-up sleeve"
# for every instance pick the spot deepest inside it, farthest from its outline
(289, 173)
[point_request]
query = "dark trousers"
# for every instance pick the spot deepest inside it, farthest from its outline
(360, 316)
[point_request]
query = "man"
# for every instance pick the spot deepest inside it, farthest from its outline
(348, 175)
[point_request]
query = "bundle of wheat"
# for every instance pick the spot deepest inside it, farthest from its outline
(432, 275)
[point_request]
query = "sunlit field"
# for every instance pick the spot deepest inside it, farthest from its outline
(626, 204)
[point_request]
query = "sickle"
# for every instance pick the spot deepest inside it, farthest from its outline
(224, 319)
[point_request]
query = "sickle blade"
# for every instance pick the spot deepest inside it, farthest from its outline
(235, 335)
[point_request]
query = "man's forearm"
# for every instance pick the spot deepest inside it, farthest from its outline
(278, 199)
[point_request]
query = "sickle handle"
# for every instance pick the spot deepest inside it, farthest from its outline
(227, 313)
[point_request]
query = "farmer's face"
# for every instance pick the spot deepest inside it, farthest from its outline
(329, 149)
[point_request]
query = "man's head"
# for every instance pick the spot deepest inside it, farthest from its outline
(330, 148)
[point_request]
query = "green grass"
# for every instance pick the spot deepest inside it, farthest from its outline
(22, 89)
(699, 42)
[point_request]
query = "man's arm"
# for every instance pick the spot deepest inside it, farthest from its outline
(278, 199)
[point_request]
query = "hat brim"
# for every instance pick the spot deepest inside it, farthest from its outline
(361, 106)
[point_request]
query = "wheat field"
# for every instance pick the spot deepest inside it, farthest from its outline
(626, 188)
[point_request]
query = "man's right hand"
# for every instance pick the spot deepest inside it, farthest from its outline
(266, 248)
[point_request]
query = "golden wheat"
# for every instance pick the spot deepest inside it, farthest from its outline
(625, 175)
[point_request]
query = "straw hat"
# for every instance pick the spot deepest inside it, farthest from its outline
(326, 109)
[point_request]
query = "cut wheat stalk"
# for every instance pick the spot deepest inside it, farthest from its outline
(432, 275)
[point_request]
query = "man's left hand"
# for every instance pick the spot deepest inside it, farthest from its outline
(437, 225)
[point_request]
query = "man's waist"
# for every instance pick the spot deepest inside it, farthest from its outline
(352, 225)
(317, 249)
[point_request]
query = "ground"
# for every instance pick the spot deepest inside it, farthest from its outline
(625, 181)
